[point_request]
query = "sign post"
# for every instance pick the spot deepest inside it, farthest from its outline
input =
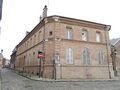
(40, 56)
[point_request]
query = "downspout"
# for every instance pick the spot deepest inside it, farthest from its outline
(107, 28)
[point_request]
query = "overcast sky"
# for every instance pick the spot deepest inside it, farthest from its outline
(20, 16)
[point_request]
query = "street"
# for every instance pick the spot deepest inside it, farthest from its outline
(13, 81)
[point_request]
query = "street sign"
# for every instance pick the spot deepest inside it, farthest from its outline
(40, 55)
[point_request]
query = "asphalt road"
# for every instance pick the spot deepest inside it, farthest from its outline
(13, 81)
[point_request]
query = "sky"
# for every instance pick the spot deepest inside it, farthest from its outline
(19, 16)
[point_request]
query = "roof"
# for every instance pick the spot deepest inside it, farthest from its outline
(115, 42)
(78, 20)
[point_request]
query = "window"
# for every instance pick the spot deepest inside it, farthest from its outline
(69, 33)
(50, 33)
(69, 56)
(86, 56)
(84, 35)
(101, 57)
(98, 37)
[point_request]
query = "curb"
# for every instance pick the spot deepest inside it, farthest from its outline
(66, 80)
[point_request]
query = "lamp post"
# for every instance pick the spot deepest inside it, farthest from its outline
(113, 55)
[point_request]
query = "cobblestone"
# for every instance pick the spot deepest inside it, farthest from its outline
(13, 81)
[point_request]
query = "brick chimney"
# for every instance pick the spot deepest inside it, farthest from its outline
(44, 12)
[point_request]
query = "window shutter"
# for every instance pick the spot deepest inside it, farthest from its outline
(86, 56)
(69, 56)
(101, 57)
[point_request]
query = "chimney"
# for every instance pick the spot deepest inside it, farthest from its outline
(44, 12)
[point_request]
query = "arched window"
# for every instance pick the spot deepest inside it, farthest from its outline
(86, 56)
(101, 57)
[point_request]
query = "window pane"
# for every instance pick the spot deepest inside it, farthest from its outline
(98, 37)
(69, 34)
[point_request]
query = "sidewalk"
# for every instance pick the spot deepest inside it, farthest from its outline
(36, 78)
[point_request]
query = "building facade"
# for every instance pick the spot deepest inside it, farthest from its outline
(72, 48)
(13, 58)
(1, 60)
(115, 54)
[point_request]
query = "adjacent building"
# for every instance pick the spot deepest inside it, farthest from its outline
(13, 58)
(1, 61)
(72, 48)
(115, 54)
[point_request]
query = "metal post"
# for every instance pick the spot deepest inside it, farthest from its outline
(39, 67)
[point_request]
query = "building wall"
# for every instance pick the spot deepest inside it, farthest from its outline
(56, 42)
(118, 60)
(77, 69)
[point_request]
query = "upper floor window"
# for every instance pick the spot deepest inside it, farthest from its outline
(69, 55)
(69, 32)
(98, 37)
(84, 35)
(86, 56)
(101, 57)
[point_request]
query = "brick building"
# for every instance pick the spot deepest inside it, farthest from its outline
(13, 58)
(72, 48)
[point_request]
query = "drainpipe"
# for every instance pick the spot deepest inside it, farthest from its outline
(107, 28)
